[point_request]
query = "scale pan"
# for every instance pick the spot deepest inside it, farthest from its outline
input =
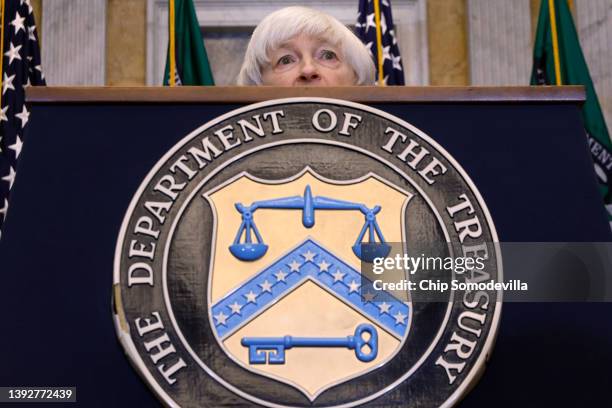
(248, 252)
(368, 251)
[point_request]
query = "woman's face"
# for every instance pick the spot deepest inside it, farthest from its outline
(306, 60)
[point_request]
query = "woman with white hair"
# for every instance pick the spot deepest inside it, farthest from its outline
(300, 46)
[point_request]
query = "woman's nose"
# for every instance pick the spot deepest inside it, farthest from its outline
(309, 71)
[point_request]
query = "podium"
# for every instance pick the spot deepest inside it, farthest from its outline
(88, 150)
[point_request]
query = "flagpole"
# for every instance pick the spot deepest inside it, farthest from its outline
(555, 40)
(172, 67)
(381, 81)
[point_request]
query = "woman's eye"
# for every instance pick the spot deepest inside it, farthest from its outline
(328, 55)
(285, 60)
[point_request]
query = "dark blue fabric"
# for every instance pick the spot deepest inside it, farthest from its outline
(83, 163)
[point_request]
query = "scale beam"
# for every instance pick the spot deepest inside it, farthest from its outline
(246, 250)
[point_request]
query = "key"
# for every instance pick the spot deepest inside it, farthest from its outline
(366, 349)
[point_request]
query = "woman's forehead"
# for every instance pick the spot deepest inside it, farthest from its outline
(304, 38)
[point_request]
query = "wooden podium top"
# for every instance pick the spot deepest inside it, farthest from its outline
(363, 94)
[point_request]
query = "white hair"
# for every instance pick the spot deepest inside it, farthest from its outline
(286, 23)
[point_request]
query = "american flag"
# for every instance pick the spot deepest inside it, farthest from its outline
(375, 28)
(20, 68)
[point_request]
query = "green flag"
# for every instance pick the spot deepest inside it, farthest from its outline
(558, 60)
(187, 58)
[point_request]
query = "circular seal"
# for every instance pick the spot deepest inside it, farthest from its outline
(254, 264)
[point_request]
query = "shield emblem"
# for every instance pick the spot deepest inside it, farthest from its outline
(284, 290)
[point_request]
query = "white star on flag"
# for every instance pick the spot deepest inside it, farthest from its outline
(396, 63)
(7, 83)
(31, 31)
(27, 2)
(370, 23)
(358, 24)
(10, 178)
(16, 147)
(353, 286)
(3, 209)
(23, 116)
(39, 69)
(13, 53)
(392, 33)
(369, 47)
(386, 53)
(3, 114)
(18, 23)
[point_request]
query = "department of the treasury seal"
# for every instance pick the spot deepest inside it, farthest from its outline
(239, 268)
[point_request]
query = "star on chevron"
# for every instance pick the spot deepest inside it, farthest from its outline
(294, 266)
(368, 296)
(251, 297)
(384, 307)
(353, 286)
(309, 256)
(18, 23)
(236, 307)
(13, 53)
(7, 83)
(221, 318)
(266, 286)
(23, 116)
(16, 147)
(338, 276)
(280, 276)
(399, 318)
(324, 266)
(10, 178)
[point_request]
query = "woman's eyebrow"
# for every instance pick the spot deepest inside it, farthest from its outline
(285, 45)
